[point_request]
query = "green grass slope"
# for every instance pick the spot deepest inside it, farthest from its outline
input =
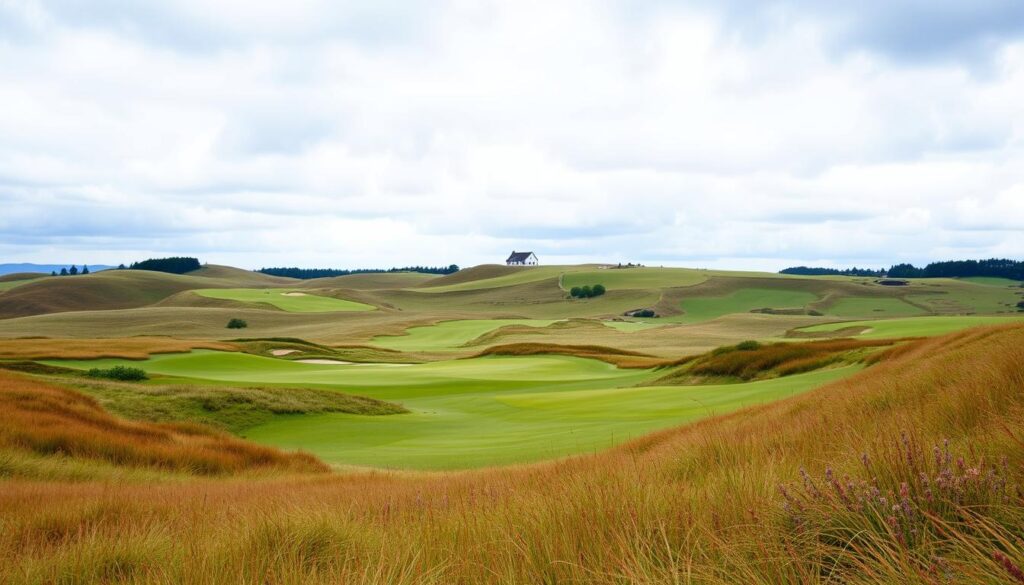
(285, 299)
(912, 326)
(372, 281)
(471, 412)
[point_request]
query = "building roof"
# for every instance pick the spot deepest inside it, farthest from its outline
(519, 256)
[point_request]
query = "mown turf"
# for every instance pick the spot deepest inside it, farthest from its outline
(496, 277)
(474, 412)
(291, 300)
(450, 334)
(632, 278)
(913, 326)
(698, 309)
(873, 306)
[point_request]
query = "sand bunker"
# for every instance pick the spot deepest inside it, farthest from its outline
(294, 294)
(281, 352)
(326, 362)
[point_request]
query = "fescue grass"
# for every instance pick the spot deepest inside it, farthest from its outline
(131, 348)
(233, 409)
(751, 360)
(46, 420)
(746, 498)
(909, 327)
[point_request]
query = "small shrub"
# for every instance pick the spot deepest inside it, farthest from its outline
(748, 345)
(237, 324)
(1020, 306)
(586, 291)
(122, 373)
(643, 313)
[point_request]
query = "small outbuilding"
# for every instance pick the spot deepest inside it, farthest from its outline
(522, 259)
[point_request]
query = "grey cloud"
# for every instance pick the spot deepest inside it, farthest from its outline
(966, 31)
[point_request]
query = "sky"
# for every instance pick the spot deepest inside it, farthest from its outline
(746, 134)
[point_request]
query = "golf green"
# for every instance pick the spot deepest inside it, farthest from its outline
(291, 300)
(450, 334)
(915, 326)
(474, 412)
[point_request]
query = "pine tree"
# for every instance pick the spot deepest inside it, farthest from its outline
(73, 271)
(85, 269)
(63, 271)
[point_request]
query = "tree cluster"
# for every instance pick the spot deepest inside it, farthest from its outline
(817, 271)
(237, 323)
(996, 267)
(308, 273)
(71, 271)
(586, 291)
(174, 265)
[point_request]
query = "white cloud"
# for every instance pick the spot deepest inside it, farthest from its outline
(335, 134)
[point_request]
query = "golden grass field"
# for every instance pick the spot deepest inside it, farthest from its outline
(907, 470)
(850, 483)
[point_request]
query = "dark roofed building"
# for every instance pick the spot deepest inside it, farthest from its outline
(522, 259)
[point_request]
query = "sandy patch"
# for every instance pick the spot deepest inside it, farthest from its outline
(281, 352)
(326, 362)
(293, 294)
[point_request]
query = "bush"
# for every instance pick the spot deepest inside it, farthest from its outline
(122, 373)
(1020, 306)
(644, 313)
(237, 324)
(747, 345)
(586, 292)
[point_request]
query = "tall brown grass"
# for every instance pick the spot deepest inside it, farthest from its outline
(129, 348)
(800, 491)
(46, 420)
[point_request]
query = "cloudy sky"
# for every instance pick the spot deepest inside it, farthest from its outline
(740, 133)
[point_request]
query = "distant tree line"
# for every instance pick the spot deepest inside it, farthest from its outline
(70, 271)
(174, 265)
(816, 271)
(308, 273)
(995, 267)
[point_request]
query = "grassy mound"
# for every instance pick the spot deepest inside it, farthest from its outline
(46, 421)
(752, 361)
(110, 289)
(619, 357)
(233, 409)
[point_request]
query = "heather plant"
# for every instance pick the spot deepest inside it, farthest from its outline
(915, 506)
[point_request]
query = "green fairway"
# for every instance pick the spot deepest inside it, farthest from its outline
(291, 300)
(741, 301)
(630, 278)
(873, 306)
(9, 284)
(914, 326)
(992, 281)
(523, 276)
(450, 334)
(471, 413)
